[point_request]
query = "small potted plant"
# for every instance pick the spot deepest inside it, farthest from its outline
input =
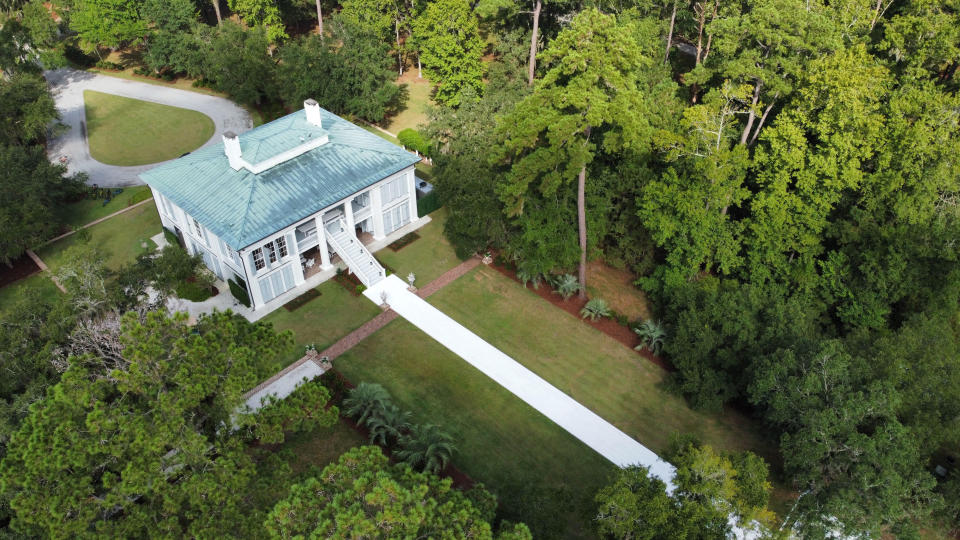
(487, 258)
(411, 278)
(383, 301)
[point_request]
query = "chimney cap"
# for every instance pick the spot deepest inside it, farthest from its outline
(230, 135)
(311, 103)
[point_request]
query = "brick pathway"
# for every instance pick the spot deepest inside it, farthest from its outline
(350, 340)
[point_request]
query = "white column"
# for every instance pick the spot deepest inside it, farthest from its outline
(322, 244)
(297, 265)
(348, 216)
(376, 208)
(253, 287)
(412, 193)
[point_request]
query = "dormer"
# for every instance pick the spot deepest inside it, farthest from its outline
(259, 151)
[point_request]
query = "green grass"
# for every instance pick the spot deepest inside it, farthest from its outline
(40, 281)
(323, 320)
(379, 133)
(541, 474)
(428, 257)
(125, 131)
(414, 114)
(120, 238)
(87, 210)
(599, 372)
(321, 446)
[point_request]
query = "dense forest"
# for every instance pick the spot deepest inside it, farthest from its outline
(781, 177)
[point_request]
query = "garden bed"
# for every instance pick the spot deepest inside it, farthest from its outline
(299, 301)
(404, 241)
(350, 282)
(608, 325)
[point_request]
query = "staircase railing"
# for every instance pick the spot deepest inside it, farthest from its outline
(359, 268)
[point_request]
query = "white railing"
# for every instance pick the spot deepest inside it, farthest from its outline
(367, 269)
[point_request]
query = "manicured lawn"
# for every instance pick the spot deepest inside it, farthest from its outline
(124, 131)
(323, 320)
(87, 210)
(616, 287)
(414, 113)
(121, 238)
(427, 257)
(541, 474)
(599, 372)
(40, 281)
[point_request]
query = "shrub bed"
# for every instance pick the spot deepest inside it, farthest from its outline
(299, 301)
(193, 291)
(404, 241)
(239, 292)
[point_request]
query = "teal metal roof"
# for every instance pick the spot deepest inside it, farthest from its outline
(242, 207)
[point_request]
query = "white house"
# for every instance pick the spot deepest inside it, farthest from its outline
(276, 207)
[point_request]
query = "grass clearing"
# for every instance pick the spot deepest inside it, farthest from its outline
(125, 131)
(599, 372)
(616, 287)
(323, 320)
(428, 257)
(414, 114)
(121, 238)
(84, 211)
(542, 475)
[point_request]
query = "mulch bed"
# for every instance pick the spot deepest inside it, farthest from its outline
(608, 326)
(301, 300)
(349, 282)
(404, 241)
(21, 268)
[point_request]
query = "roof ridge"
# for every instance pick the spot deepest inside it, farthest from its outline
(246, 213)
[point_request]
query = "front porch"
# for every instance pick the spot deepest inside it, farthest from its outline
(315, 274)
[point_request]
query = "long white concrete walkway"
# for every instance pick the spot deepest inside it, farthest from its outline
(68, 85)
(563, 410)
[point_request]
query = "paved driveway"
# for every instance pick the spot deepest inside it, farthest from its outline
(68, 85)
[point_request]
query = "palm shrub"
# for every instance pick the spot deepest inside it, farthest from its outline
(595, 308)
(426, 447)
(387, 424)
(366, 400)
(651, 335)
(567, 285)
(527, 277)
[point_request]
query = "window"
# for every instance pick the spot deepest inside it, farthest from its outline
(282, 246)
(393, 190)
(396, 217)
(199, 230)
(271, 252)
(258, 262)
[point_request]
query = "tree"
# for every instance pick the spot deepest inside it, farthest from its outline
(450, 48)
(589, 86)
(264, 13)
(34, 190)
(139, 445)
(652, 335)
(170, 43)
(107, 23)
(426, 447)
(27, 109)
(363, 495)
(635, 505)
(236, 61)
(349, 74)
(686, 209)
(842, 443)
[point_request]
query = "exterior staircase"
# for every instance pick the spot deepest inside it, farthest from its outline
(354, 253)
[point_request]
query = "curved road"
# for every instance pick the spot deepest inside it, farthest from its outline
(68, 85)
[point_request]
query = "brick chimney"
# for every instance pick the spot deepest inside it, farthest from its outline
(231, 147)
(313, 111)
